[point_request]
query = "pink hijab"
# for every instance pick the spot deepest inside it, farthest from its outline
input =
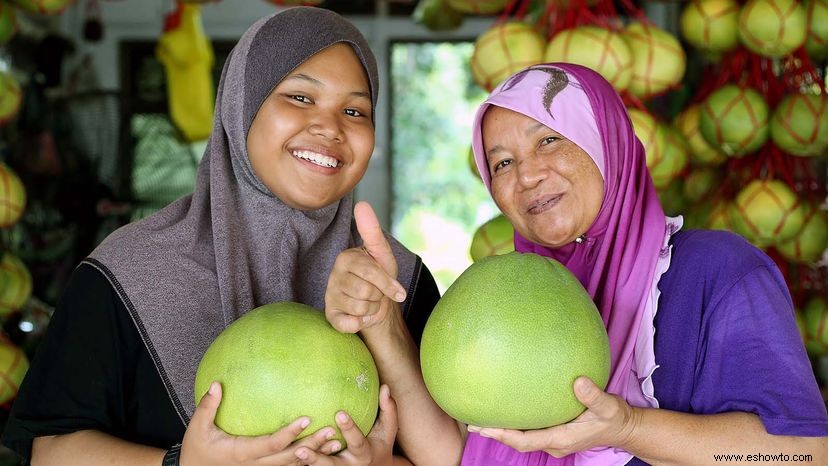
(625, 250)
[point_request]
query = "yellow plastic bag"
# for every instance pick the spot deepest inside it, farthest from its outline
(187, 56)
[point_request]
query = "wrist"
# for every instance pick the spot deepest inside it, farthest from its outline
(173, 456)
(626, 438)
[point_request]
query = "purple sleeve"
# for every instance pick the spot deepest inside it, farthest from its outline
(751, 358)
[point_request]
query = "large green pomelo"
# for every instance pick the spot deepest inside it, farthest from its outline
(13, 367)
(701, 152)
(496, 236)
(282, 361)
(17, 284)
(672, 160)
(711, 25)
(505, 344)
(659, 60)
(772, 28)
(597, 48)
(809, 244)
(672, 198)
(702, 181)
(503, 50)
(437, 15)
(799, 125)
(817, 42)
(735, 119)
(815, 317)
(767, 212)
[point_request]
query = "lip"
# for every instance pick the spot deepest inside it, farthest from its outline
(321, 151)
(543, 203)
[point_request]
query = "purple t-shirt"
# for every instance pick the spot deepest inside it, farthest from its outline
(726, 340)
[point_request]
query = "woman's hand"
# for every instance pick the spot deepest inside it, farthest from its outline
(608, 421)
(205, 444)
(363, 283)
(373, 450)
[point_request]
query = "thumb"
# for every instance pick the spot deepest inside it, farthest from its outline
(590, 394)
(205, 412)
(374, 239)
(386, 426)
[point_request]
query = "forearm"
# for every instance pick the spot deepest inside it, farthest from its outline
(663, 437)
(426, 433)
(90, 447)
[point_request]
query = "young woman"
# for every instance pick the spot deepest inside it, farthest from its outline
(112, 383)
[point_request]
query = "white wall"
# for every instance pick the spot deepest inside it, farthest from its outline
(227, 20)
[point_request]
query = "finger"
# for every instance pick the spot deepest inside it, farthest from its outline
(592, 396)
(343, 322)
(204, 415)
(386, 426)
(519, 440)
(355, 440)
(310, 457)
(330, 447)
(361, 277)
(374, 239)
(266, 445)
(318, 438)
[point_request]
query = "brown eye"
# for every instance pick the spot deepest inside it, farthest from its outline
(549, 140)
(501, 164)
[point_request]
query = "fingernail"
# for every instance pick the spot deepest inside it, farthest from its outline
(213, 388)
(483, 433)
(473, 428)
(330, 434)
(305, 423)
(366, 319)
(335, 447)
(399, 297)
(341, 417)
(301, 454)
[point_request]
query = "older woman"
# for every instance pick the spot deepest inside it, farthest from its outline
(706, 356)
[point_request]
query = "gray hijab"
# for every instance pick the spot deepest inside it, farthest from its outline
(188, 271)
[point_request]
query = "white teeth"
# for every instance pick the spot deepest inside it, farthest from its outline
(318, 159)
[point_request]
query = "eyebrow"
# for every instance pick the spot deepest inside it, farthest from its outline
(316, 82)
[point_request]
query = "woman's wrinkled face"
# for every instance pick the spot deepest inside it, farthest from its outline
(548, 187)
(313, 136)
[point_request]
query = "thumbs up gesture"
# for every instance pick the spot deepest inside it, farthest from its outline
(363, 286)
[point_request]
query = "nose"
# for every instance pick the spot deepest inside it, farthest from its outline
(326, 126)
(531, 172)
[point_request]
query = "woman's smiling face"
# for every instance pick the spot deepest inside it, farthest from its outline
(313, 136)
(548, 187)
